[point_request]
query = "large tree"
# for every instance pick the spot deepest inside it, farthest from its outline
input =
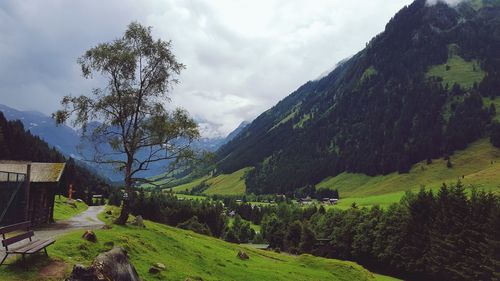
(130, 109)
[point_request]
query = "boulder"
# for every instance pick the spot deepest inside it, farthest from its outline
(90, 236)
(138, 221)
(110, 266)
(242, 255)
(157, 268)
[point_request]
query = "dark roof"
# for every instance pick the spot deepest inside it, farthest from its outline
(40, 172)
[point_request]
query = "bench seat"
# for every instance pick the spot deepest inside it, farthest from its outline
(31, 245)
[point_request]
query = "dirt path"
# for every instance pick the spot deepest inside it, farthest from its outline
(85, 220)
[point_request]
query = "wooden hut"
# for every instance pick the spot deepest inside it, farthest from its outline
(35, 183)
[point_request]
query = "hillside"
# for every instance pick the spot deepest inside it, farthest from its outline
(190, 255)
(420, 90)
(18, 144)
(224, 184)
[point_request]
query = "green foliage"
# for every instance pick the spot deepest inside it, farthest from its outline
(369, 72)
(130, 109)
(194, 225)
(239, 231)
(445, 236)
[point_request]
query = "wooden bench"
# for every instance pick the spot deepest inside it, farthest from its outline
(23, 232)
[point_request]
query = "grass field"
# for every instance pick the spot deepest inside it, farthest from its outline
(231, 184)
(478, 165)
(190, 185)
(225, 184)
(457, 70)
(63, 211)
(189, 255)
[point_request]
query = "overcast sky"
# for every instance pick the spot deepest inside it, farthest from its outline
(242, 56)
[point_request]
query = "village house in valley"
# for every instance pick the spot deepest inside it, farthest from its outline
(36, 183)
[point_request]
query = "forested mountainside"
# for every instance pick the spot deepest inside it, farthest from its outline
(422, 89)
(18, 144)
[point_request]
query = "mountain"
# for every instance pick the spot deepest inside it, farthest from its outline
(20, 145)
(67, 140)
(422, 89)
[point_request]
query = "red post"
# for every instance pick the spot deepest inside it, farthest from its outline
(70, 191)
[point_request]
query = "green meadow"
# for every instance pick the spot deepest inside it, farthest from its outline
(477, 166)
(63, 210)
(457, 70)
(188, 256)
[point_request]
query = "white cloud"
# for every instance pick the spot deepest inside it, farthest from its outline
(242, 56)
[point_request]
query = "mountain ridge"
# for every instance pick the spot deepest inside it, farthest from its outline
(380, 111)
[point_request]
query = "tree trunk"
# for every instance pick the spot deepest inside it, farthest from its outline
(125, 212)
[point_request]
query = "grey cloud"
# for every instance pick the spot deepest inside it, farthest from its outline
(241, 56)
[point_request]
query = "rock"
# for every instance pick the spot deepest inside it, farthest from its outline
(242, 255)
(154, 270)
(79, 200)
(112, 265)
(106, 227)
(157, 268)
(160, 265)
(138, 221)
(90, 236)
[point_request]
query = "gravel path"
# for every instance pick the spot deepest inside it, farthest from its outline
(86, 220)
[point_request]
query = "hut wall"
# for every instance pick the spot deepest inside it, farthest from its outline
(41, 203)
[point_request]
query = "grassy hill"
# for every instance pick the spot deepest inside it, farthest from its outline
(63, 210)
(224, 184)
(189, 255)
(478, 166)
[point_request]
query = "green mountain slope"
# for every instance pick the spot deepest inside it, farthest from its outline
(197, 257)
(223, 184)
(418, 91)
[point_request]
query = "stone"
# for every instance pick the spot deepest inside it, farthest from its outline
(157, 268)
(90, 236)
(106, 227)
(111, 265)
(160, 265)
(154, 270)
(242, 255)
(138, 221)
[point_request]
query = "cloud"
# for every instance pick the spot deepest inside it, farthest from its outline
(242, 56)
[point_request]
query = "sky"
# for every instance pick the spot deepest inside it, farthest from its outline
(242, 56)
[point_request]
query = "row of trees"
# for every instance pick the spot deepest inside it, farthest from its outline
(453, 234)
(443, 236)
